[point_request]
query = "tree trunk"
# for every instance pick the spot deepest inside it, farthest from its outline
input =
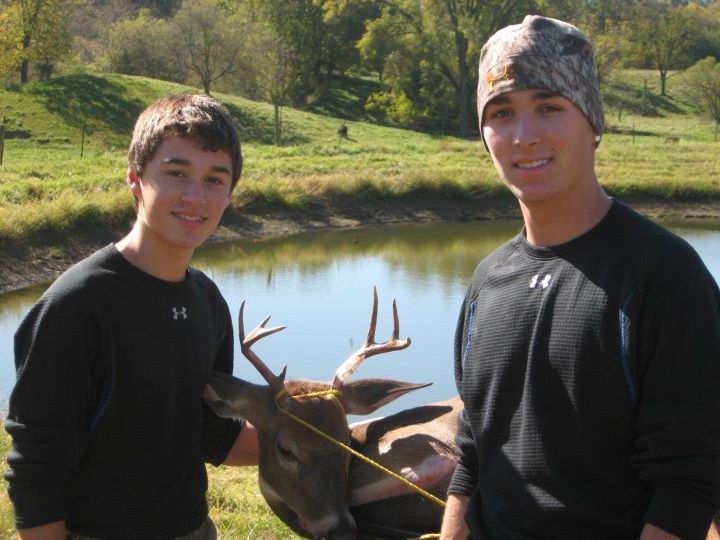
(45, 70)
(464, 109)
(277, 123)
(25, 64)
(24, 68)
(663, 80)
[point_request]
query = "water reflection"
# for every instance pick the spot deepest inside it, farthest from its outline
(424, 251)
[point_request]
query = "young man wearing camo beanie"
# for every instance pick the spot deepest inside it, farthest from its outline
(587, 351)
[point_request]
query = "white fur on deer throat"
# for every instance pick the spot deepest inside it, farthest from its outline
(424, 474)
(269, 492)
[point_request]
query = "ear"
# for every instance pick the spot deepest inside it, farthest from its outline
(133, 182)
(230, 397)
(367, 395)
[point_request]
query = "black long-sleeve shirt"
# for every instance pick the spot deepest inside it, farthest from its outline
(108, 425)
(590, 374)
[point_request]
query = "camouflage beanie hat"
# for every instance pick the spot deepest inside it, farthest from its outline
(541, 53)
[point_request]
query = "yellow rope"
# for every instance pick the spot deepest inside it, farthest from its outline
(319, 393)
(335, 394)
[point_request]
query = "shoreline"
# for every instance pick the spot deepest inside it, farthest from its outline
(41, 262)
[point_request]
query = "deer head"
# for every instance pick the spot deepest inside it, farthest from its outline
(304, 477)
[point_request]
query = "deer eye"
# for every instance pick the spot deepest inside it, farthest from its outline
(286, 453)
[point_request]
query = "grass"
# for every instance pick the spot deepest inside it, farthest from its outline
(236, 506)
(47, 189)
(7, 517)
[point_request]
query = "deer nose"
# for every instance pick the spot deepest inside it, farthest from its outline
(341, 528)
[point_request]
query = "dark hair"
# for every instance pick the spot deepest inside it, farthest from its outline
(189, 116)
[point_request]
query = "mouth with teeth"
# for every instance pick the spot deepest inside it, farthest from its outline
(532, 164)
(189, 218)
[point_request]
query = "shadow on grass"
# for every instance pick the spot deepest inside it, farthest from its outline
(104, 104)
(630, 131)
(260, 128)
(633, 99)
(346, 99)
(108, 108)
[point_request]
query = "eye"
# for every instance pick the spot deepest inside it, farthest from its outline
(175, 173)
(215, 180)
(285, 453)
(500, 113)
(549, 108)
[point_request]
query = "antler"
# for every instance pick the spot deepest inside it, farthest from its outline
(276, 382)
(371, 348)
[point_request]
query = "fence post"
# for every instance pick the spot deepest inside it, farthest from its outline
(277, 124)
(82, 140)
(2, 140)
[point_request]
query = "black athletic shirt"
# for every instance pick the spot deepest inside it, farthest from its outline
(109, 429)
(590, 374)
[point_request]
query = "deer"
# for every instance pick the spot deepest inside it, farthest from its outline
(318, 473)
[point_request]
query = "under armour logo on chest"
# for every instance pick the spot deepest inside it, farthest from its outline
(179, 313)
(536, 283)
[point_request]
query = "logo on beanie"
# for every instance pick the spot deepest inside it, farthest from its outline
(504, 74)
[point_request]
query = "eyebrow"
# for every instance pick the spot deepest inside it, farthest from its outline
(186, 163)
(503, 99)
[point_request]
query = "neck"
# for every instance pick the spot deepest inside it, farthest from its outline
(554, 223)
(165, 264)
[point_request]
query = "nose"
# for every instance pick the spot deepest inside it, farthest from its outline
(341, 528)
(525, 132)
(194, 192)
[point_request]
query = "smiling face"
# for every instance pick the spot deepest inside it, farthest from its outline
(543, 147)
(181, 194)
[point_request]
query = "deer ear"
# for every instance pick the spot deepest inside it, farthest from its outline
(367, 395)
(230, 397)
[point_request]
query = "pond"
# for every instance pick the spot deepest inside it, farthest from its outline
(320, 286)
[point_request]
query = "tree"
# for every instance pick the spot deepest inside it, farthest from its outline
(34, 31)
(206, 40)
(141, 46)
(702, 82)
(344, 27)
(90, 27)
(706, 40)
(267, 72)
(438, 41)
(300, 35)
(10, 39)
(664, 34)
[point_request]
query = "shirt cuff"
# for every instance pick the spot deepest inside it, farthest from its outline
(680, 513)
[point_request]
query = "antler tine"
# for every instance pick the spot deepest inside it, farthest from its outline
(396, 323)
(370, 339)
(246, 342)
(371, 348)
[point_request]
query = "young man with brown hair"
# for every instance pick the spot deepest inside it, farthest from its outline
(110, 433)
(587, 352)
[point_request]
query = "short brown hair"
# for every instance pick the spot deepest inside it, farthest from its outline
(189, 116)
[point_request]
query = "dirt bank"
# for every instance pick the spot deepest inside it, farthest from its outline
(42, 261)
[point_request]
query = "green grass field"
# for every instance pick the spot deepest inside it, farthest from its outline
(46, 188)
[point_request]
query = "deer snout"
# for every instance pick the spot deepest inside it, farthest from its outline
(338, 527)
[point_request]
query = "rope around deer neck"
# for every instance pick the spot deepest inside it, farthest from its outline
(335, 394)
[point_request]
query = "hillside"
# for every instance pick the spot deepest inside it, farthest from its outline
(56, 205)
